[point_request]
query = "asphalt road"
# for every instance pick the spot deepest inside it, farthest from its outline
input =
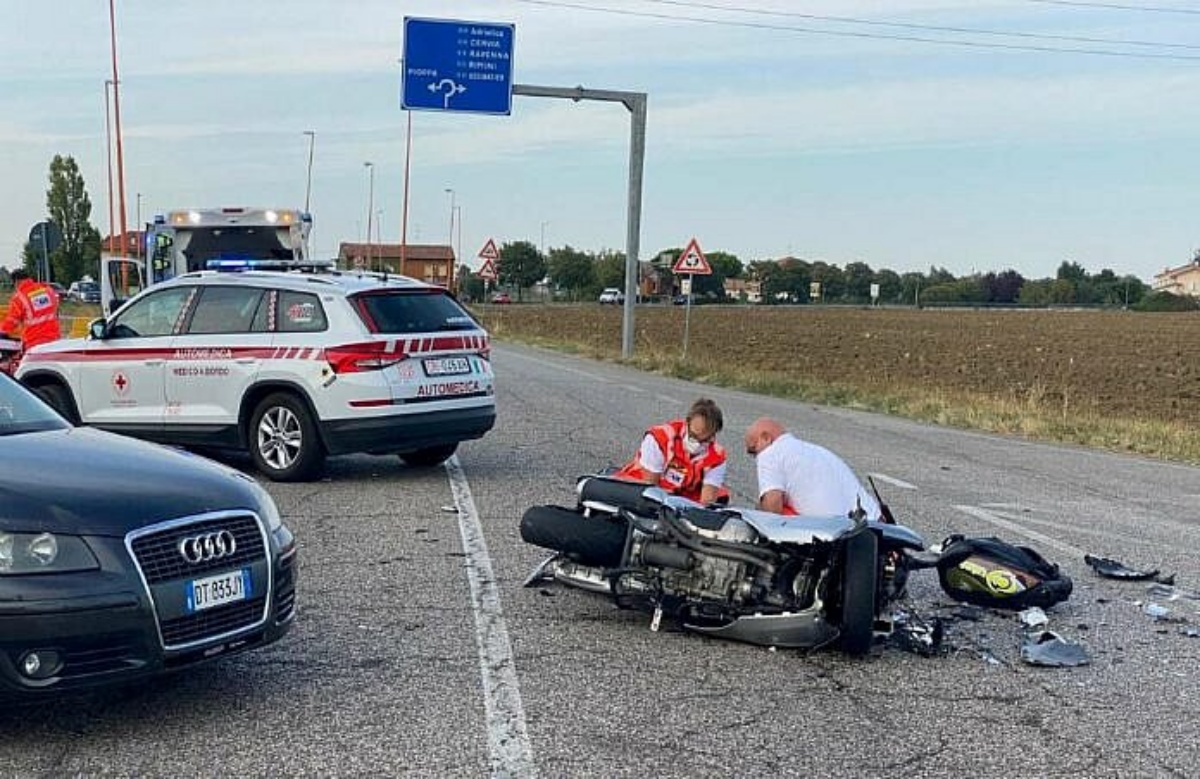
(417, 651)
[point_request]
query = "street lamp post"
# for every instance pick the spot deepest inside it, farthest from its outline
(370, 166)
(542, 247)
(137, 226)
(450, 241)
(379, 238)
(312, 141)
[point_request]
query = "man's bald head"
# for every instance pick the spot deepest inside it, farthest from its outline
(761, 434)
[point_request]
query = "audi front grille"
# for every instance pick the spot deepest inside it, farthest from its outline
(158, 554)
(174, 553)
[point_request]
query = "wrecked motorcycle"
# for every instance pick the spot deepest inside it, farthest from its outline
(732, 573)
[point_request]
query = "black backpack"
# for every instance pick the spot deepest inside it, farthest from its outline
(990, 572)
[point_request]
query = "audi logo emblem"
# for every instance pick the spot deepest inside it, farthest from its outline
(207, 546)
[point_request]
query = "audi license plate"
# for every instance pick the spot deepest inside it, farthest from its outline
(447, 366)
(218, 590)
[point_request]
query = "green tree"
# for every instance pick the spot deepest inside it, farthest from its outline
(572, 270)
(610, 269)
(858, 277)
(831, 278)
(910, 287)
(724, 266)
(1072, 272)
(521, 265)
(890, 286)
(70, 208)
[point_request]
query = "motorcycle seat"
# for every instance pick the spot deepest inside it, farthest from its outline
(705, 519)
(616, 493)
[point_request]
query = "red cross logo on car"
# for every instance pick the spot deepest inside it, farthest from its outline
(120, 383)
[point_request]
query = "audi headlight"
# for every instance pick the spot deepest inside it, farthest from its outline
(23, 553)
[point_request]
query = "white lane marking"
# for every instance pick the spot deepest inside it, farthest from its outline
(668, 399)
(631, 388)
(508, 739)
(988, 516)
(892, 481)
(1007, 506)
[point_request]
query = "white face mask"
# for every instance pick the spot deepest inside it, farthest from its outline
(692, 446)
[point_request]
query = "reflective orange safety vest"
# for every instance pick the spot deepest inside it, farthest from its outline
(35, 306)
(683, 474)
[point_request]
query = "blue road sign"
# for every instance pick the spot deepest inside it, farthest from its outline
(454, 65)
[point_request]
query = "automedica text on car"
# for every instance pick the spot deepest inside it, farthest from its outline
(121, 559)
(289, 366)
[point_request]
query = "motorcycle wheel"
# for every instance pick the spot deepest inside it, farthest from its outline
(859, 572)
(596, 541)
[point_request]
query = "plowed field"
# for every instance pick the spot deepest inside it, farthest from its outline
(1130, 365)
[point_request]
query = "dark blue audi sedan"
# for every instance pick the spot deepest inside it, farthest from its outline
(121, 559)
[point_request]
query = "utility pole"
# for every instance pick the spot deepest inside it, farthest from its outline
(116, 84)
(312, 141)
(370, 206)
(112, 230)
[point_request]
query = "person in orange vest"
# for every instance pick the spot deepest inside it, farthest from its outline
(33, 307)
(683, 457)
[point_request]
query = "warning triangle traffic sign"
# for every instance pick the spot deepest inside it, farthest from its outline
(487, 271)
(692, 261)
(489, 251)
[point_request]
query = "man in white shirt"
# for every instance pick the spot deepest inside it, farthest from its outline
(798, 477)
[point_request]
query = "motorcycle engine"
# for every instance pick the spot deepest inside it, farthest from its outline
(709, 577)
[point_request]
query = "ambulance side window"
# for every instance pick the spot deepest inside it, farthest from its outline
(300, 312)
(154, 315)
(225, 310)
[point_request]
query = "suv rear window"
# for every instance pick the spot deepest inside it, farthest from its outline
(394, 313)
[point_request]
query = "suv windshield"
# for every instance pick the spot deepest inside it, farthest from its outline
(396, 312)
(21, 412)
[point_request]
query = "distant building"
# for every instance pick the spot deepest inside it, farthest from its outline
(749, 290)
(1184, 280)
(128, 244)
(431, 263)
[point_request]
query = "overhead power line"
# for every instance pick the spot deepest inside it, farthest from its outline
(1157, 9)
(857, 34)
(927, 27)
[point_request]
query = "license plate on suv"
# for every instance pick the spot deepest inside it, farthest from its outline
(447, 366)
(218, 590)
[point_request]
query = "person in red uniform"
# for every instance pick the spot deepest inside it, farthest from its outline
(33, 307)
(683, 457)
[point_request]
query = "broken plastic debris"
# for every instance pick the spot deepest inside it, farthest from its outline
(1106, 566)
(1049, 649)
(1190, 632)
(450, 509)
(1160, 613)
(1033, 617)
(1162, 590)
(912, 634)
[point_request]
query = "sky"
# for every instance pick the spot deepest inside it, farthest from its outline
(971, 135)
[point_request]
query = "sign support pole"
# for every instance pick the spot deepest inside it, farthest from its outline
(687, 314)
(636, 103)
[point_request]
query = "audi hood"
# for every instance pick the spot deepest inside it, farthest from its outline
(88, 482)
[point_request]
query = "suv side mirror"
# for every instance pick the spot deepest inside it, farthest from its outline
(97, 329)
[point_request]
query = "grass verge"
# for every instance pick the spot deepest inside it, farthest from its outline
(1032, 415)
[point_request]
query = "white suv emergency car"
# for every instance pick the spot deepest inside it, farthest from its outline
(290, 366)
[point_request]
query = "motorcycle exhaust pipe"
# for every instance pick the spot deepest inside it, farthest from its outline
(667, 556)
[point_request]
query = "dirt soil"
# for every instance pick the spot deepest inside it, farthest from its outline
(1132, 365)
